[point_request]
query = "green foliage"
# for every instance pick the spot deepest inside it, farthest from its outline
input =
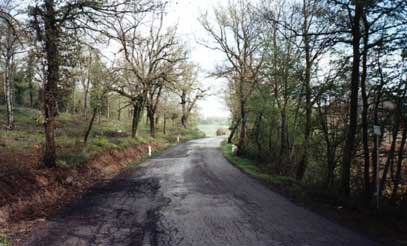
(20, 87)
(3, 240)
(102, 142)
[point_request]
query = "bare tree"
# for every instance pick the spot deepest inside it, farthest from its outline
(101, 79)
(354, 14)
(9, 42)
(189, 91)
(150, 59)
(236, 34)
(51, 20)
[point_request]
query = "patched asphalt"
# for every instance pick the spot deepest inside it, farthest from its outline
(189, 195)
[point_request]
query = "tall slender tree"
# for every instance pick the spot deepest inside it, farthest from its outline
(9, 42)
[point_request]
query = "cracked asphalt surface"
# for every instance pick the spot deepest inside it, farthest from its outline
(189, 195)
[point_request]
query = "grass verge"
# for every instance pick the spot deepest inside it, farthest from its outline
(384, 229)
(286, 185)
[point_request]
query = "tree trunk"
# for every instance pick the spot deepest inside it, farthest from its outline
(85, 102)
(283, 134)
(165, 125)
(30, 76)
(8, 91)
(86, 88)
(390, 155)
(150, 115)
(308, 105)
(184, 121)
(258, 137)
(137, 110)
(119, 112)
(331, 166)
(270, 138)
(242, 129)
(95, 110)
(184, 117)
(365, 110)
(400, 156)
(233, 131)
(376, 122)
(50, 87)
(330, 149)
(30, 91)
(349, 147)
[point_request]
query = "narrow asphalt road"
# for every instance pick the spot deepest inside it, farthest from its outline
(189, 195)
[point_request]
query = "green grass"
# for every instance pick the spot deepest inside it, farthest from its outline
(3, 240)
(154, 153)
(287, 185)
(71, 151)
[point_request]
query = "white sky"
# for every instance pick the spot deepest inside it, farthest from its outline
(186, 13)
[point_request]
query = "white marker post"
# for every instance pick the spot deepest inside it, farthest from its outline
(178, 139)
(149, 151)
(234, 149)
(377, 132)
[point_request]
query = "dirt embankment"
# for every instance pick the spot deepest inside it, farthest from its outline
(32, 195)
